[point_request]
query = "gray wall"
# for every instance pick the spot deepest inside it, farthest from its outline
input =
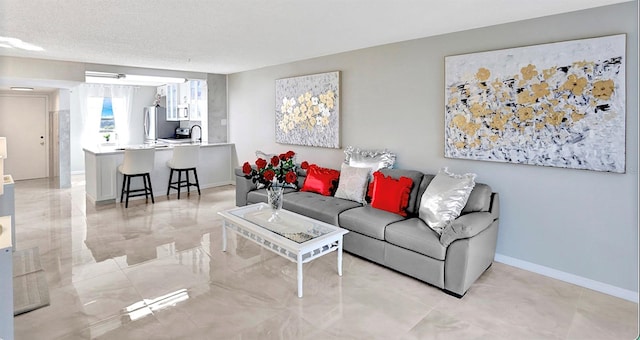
(59, 124)
(583, 223)
(75, 134)
(217, 106)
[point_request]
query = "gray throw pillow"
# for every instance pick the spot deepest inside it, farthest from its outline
(353, 183)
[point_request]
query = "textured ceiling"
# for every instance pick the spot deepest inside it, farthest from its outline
(227, 36)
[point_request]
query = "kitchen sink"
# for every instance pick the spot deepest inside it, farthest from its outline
(145, 146)
(175, 140)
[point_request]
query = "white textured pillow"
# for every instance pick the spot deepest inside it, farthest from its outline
(444, 198)
(353, 182)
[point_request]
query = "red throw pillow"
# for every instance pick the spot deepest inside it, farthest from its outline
(320, 180)
(391, 194)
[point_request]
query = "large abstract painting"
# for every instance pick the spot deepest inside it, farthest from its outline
(308, 110)
(559, 104)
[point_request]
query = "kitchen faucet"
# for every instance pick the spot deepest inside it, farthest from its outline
(191, 131)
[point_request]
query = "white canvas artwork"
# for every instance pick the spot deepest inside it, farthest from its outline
(308, 110)
(559, 104)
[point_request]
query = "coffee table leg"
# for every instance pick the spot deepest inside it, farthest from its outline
(340, 257)
(299, 275)
(224, 236)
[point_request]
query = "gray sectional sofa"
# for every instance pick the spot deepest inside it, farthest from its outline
(452, 262)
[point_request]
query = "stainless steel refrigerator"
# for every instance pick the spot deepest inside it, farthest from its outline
(156, 124)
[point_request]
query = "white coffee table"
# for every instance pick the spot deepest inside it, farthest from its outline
(297, 238)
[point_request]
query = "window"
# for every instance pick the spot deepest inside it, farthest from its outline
(107, 122)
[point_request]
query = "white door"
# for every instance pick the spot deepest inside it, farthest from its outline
(23, 120)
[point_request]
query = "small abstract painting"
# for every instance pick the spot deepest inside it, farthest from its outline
(308, 110)
(560, 104)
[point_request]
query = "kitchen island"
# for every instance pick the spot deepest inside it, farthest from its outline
(104, 182)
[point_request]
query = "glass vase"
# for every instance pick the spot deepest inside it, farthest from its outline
(274, 199)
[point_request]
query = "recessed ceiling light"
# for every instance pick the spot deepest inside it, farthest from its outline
(21, 88)
(103, 74)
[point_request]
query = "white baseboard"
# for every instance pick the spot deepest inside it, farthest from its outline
(217, 184)
(571, 278)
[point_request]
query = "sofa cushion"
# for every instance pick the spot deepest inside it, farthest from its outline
(391, 194)
(416, 177)
(368, 221)
(321, 180)
(323, 208)
(479, 200)
(413, 234)
(353, 181)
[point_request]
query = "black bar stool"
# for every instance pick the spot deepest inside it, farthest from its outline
(184, 159)
(137, 163)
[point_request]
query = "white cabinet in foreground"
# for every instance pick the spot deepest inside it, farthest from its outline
(6, 279)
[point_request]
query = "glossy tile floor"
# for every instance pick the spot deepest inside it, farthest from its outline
(156, 271)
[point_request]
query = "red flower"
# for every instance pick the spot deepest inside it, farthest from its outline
(274, 171)
(290, 177)
(269, 175)
(246, 168)
(261, 163)
(275, 161)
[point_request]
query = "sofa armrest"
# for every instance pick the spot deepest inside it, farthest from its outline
(243, 187)
(466, 226)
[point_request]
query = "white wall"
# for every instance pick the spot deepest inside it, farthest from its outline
(48, 73)
(582, 223)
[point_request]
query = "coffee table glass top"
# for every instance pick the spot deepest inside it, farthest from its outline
(287, 224)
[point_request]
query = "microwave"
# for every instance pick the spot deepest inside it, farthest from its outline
(183, 111)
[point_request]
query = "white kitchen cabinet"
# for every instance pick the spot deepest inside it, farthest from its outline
(184, 92)
(173, 95)
(6, 279)
(101, 184)
(197, 99)
(7, 203)
(185, 101)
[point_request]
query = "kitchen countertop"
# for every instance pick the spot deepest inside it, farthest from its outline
(112, 148)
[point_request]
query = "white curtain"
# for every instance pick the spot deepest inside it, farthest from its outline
(91, 98)
(122, 107)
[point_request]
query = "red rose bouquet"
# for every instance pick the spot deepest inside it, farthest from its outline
(278, 171)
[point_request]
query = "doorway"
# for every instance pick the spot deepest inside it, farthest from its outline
(23, 120)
